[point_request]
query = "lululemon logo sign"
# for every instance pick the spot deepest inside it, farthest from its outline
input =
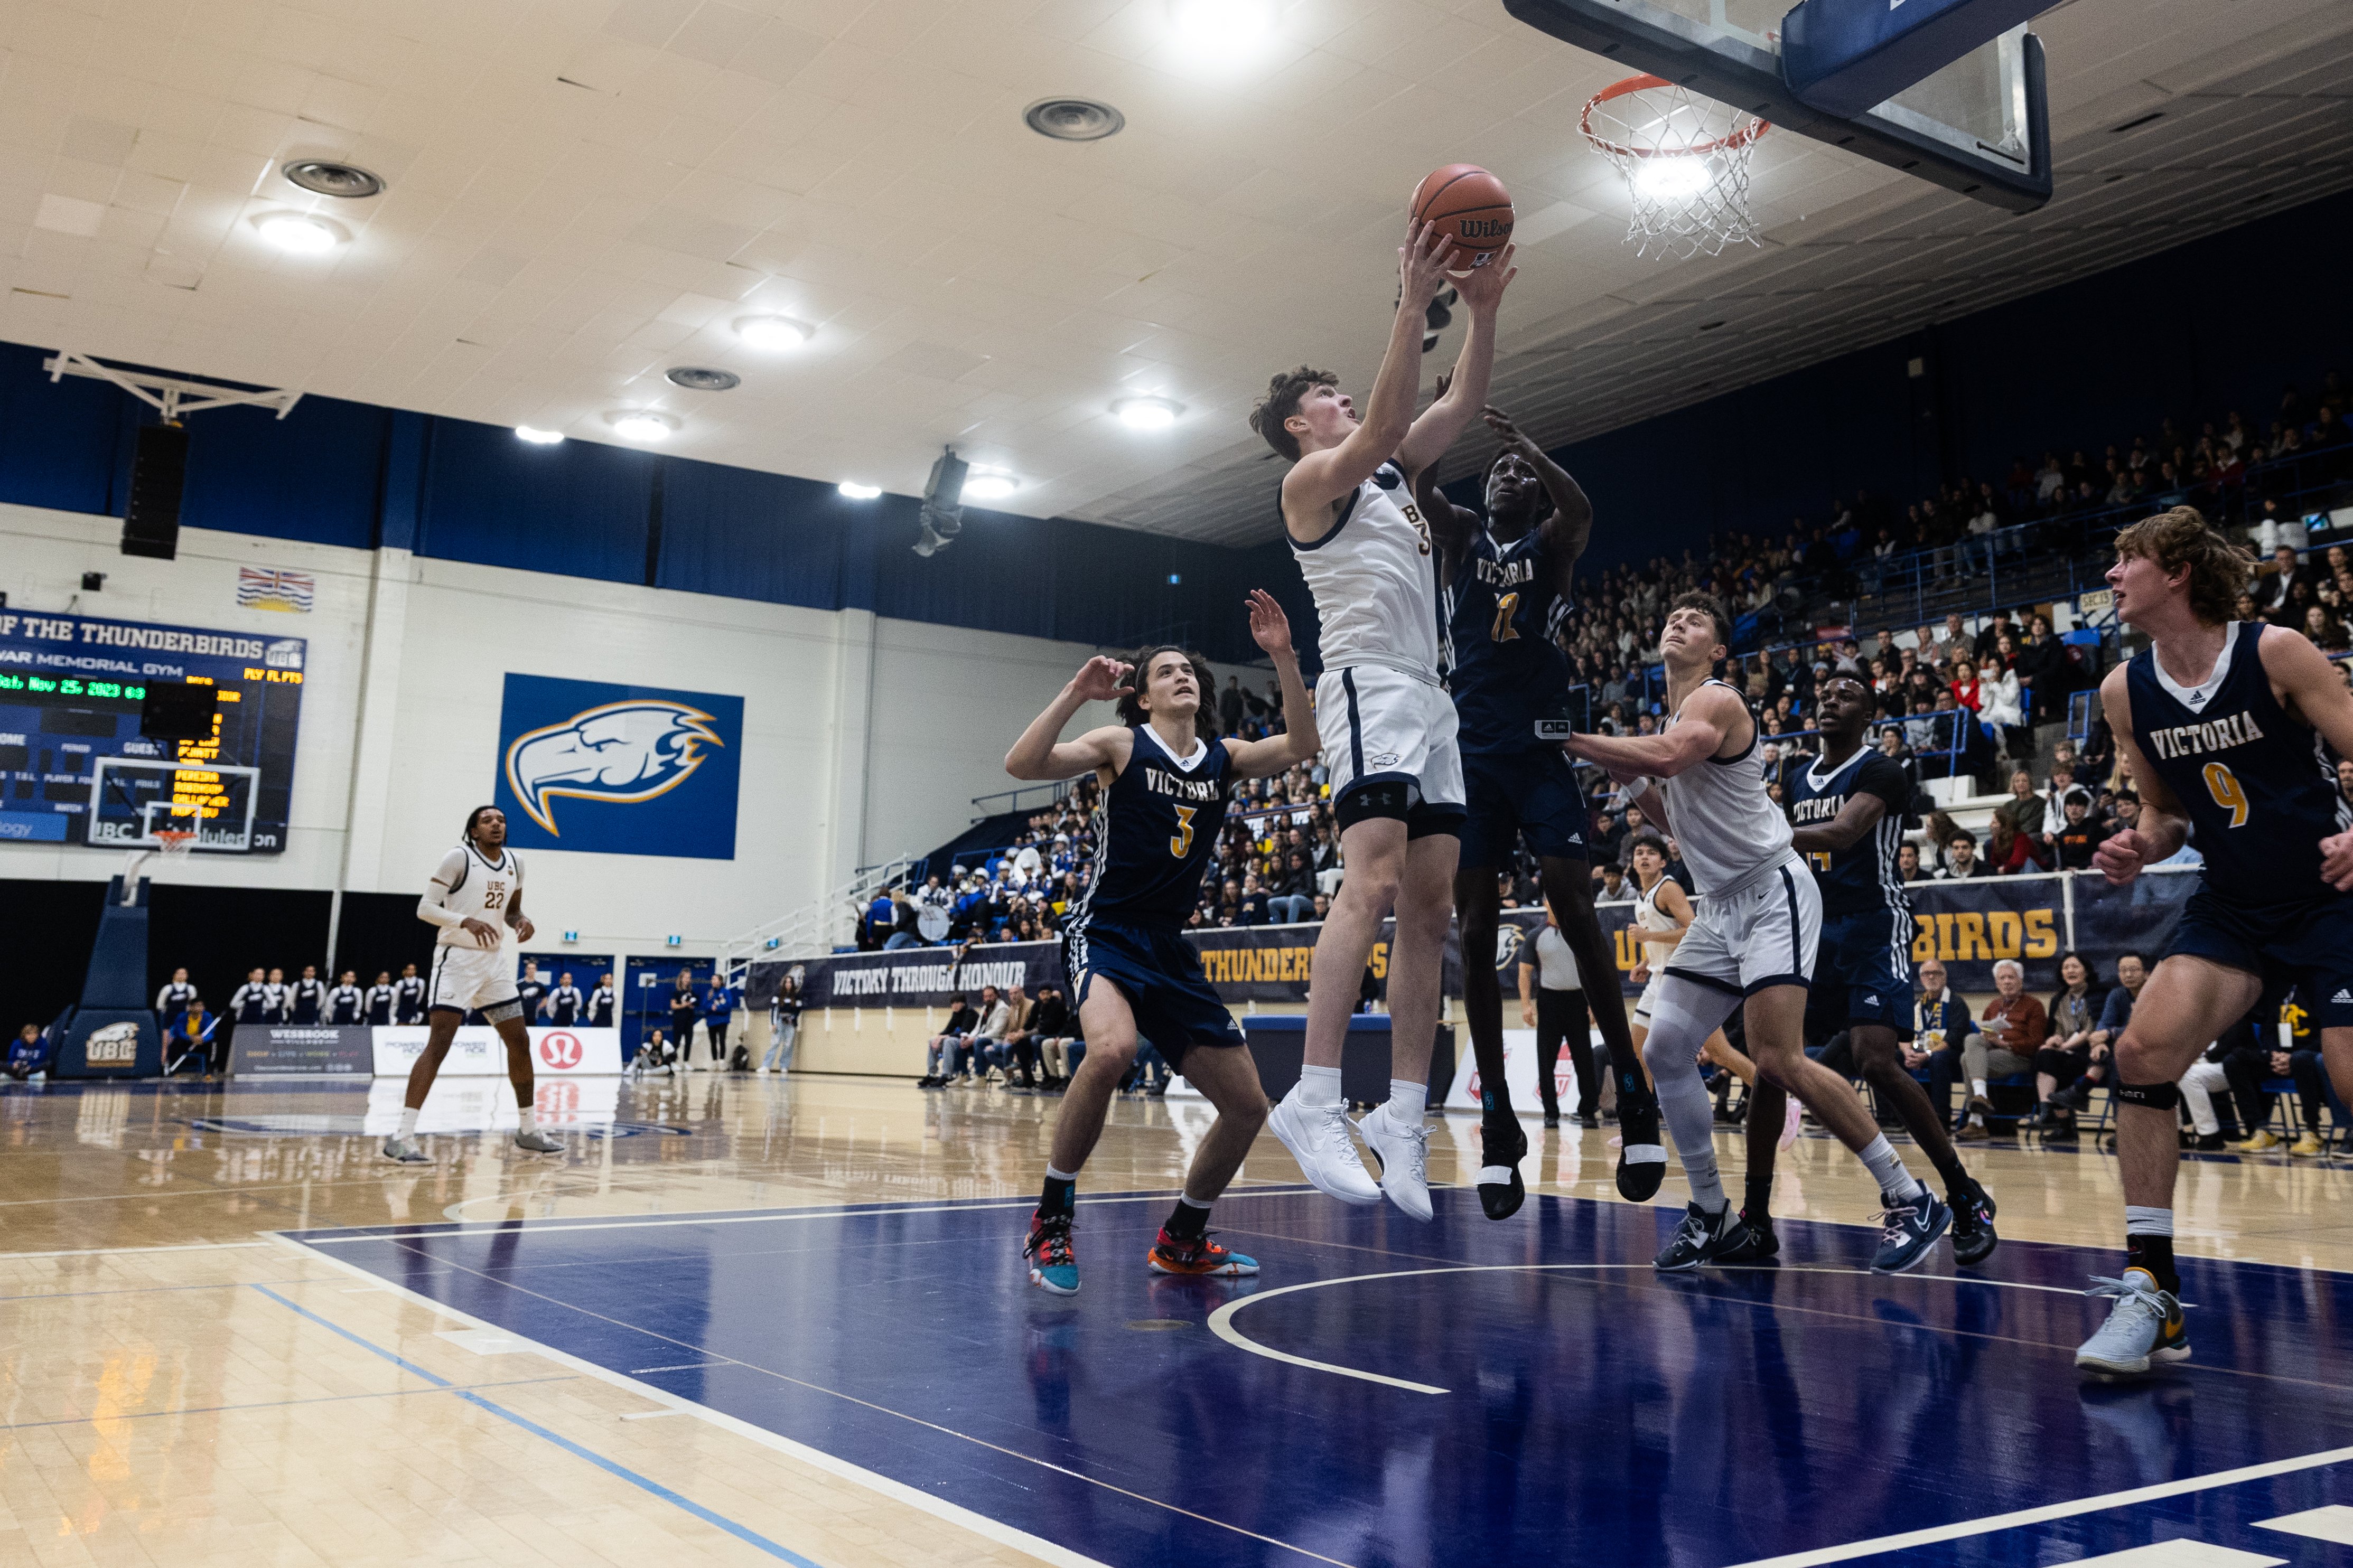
(560, 1049)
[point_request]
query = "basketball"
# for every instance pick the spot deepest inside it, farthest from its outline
(1470, 206)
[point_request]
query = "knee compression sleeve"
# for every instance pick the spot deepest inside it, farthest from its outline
(2155, 1096)
(1683, 1018)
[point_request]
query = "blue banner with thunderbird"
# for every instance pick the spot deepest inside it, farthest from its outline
(618, 770)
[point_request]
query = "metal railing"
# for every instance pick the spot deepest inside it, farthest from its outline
(1055, 793)
(815, 930)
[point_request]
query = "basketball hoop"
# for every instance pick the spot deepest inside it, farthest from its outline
(1685, 160)
(174, 844)
(170, 843)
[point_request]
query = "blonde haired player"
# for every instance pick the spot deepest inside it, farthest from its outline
(476, 899)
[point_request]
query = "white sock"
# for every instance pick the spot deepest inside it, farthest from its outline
(1978, 1087)
(1887, 1166)
(408, 1114)
(529, 1118)
(1407, 1100)
(1319, 1086)
(1190, 1202)
(2141, 1221)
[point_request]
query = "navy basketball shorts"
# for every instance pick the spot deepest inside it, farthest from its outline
(1862, 973)
(1513, 796)
(1174, 1003)
(2306, 945)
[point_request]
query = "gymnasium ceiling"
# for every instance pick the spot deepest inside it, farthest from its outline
(582, 195)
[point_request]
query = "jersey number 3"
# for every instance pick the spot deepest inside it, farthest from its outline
(1182, 845)
(1505, 608)
(2223, 785)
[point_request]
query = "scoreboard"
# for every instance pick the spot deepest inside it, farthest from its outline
(74, 768)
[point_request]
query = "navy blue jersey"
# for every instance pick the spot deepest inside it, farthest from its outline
(2257, 785)
(1505, 671)
(1861, 877)
(1157, 828)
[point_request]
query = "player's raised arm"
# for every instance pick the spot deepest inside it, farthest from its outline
(1323, 477)
(1036, 755)
(2316, 692)
(1451, 526)
(1708, 719)
(1299, 742)
(1570, 526)
(2164, 826)
(1482, 291)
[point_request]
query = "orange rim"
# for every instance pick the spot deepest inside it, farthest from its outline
(1733, 142)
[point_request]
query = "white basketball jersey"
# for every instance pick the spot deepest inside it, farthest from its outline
(479, 888)
(1725, 825)
(1376, 581)
(1647, 913)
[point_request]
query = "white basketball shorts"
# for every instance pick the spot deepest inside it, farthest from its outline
(1389, 748)
(1761, 933)
(467, 977)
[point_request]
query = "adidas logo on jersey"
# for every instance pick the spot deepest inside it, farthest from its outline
(2342, 995)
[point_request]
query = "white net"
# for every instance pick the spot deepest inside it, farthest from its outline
(1686, 163)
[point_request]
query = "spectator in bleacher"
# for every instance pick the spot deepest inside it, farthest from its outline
(2275, 583)
(2041, 665)
(1907, 862)
(982, 1048)
(2248, 1067)
(2011, 1031)
(1050, 1026)
(2066, 1053)
(28, 1054)
(2081, 836)
(1232, 706)
(1962, 860)
(1293, 895)
(2004, 701)
(1964, 686)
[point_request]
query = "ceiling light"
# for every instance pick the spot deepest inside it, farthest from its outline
(774, 331)
(700, 378)
(1147, 413)
(1222, 21)
(346, 181)
(1667, 178)
(989, 484)
(641, 423)
(1073, 119)
(539, 438)
(300, 232)
(857, 491)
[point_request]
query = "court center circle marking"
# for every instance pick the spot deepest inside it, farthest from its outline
(1222, 1321)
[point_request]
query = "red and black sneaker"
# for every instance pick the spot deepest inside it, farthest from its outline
(1197, 1255)
(1053, 1267)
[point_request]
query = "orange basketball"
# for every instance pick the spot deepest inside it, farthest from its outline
(1470, 207)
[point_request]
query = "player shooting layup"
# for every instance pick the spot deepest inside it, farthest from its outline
(476, 898)
(1752, 945)
(1166, 785)
(2223, 723)
(1388, 727)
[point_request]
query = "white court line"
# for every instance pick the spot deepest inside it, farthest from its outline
(898, 1491)
(108, 1251)
(1987, 1526)
(545, 1228)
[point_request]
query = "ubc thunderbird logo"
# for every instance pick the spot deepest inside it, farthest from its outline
(622, 752)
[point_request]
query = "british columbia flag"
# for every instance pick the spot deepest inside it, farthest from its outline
(267, 588)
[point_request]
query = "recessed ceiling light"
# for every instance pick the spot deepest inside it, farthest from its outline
(857, 491)
(1073, 119)
(539, 438)
(300, 232)
(989, 484)
(1222, 21)
(347, 180)
(641, 423)
(1668, 178)
(774, 331)
(700, 378)
(1147, 413)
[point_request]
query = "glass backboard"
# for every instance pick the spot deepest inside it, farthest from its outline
(1979, 126)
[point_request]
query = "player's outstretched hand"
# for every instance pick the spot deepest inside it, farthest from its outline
(1505, 431)
(484, 933)
(1421, 267)
(1101, 679)
(1269, 627)
(2121, 855)
(1483, 288)
(2337, 861)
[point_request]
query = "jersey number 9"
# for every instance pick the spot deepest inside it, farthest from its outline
(2223, 785)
